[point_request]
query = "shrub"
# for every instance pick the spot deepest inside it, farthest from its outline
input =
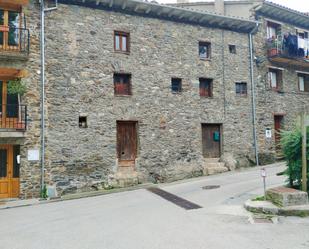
(291, 142)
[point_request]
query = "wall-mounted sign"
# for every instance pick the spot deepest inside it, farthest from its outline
(33, 155)
(268, 132)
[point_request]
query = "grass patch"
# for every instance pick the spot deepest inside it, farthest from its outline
(259, 198)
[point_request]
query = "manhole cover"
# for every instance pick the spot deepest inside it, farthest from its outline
(211, 187)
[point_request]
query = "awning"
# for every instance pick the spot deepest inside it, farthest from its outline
(283, 14)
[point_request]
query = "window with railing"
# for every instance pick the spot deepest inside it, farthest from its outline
(13, 37)
(13, 115)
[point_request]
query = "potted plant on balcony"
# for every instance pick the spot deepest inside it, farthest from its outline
(274, 46)
(17, 87)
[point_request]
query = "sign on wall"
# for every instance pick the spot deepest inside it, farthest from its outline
(268, 133)
(33, 155)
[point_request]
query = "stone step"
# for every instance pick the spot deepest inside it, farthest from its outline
(285, 197)
(215, 170)
(214, 165)
(212, 160)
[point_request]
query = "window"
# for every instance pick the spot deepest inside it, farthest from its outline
(122, 84)
(10, 22)
(241, 88)
(82, 122)
(275, 78)
(204, 50)
(232, 49)
(176, 85)
(273, 30)
(121, 42)
(206, 87)
(303, 82)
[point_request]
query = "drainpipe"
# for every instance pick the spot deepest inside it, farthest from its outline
(42, 43)
(256, 146)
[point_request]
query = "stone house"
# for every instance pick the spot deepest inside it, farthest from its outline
(281, 75)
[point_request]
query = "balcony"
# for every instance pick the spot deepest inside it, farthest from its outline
(288, 53)
(14, 43)
(13, 118)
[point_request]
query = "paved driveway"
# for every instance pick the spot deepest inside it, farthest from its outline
(142, 220)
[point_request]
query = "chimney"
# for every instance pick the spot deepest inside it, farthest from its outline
(219, 7)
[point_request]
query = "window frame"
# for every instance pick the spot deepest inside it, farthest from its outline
(306, 82)
(116, 93)
(210, 87)
(241, 93)
(204, 44)
(121, 34)
(274, 25)
(279, 79)
(179, 87)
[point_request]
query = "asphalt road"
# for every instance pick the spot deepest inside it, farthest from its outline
(142, 220)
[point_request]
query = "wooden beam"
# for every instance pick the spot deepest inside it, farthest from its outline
(15, 2)
(12, 73)
(148, 10)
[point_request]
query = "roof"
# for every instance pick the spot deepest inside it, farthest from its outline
(283, 14)
(155, 10)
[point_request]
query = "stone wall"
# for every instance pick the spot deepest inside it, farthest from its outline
(80, 66)
(288, 101)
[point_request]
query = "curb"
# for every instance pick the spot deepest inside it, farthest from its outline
(34, 202)
(266, 207)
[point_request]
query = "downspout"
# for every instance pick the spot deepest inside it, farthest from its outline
(42, 42)
(256, 145)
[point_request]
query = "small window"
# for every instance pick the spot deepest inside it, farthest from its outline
(232, 49)
(275, 78)
(122, 84)
(176, 85)
(121, 42)
(82, 122)
(303, 83)
(241, 88)
(206, 87)
(204, 50)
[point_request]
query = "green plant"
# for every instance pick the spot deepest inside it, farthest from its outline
(16, 87)
(44, 194)
(291, 143)
(259, 198)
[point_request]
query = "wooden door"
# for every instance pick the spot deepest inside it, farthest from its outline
(126, 141)
(211, 139)
(9, 171)
(278, 126)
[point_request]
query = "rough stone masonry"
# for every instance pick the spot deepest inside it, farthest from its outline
(80, 65)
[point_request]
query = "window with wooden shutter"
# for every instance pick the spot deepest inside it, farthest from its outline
(303, 82)
(275, 79)
(206, 87)
(122, 84)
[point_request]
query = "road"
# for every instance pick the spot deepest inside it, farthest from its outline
(142, 220)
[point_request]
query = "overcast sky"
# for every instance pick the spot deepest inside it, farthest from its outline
(301, 5)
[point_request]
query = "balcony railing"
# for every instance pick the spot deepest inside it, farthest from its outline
(14, 39)
(13, 117)
(289, 49)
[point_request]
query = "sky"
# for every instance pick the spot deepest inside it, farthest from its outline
(300, 5)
